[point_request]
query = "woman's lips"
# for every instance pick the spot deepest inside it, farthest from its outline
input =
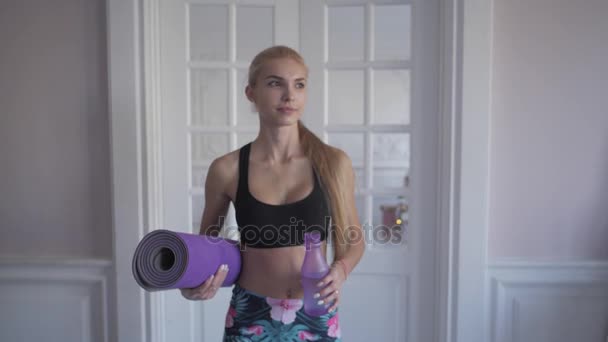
(286, 110)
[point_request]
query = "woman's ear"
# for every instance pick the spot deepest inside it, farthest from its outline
(249, 93)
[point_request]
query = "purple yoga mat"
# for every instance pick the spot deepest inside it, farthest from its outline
(166, 260)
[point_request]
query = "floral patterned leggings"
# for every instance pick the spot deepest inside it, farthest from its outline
(253, 317)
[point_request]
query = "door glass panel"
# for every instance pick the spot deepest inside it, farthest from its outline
(231, 229)
(346, 27)
(208, 32)
(359, 178)
(345, 96)
(197, 202)
(208, 146)
(389, 178)
(352, 144)
(361, 208)
(254, 31)
(209, 97)
(390, 218)
(199, 174)
(360, 203)
(391, 150)
(392, 32)
(391, 97)
(243, 138)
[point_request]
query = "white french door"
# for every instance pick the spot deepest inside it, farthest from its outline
(374, 82)
(373, 91)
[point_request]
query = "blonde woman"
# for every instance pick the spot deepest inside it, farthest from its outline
(282, 184)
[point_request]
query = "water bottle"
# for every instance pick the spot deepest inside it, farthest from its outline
(314, 268)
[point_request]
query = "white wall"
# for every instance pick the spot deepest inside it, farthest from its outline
(549, 131)
(548, 222)
(54, 144)
(55, 202)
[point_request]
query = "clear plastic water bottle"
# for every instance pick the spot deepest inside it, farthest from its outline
(314, 268)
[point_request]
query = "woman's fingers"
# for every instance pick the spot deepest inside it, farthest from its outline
(329, 297)
(187, 293)
(334, 305)
(329, 293)
(220, 275)
(209, 287)
(216, 282)
(202, 290)
(329, 283)
(330, 277)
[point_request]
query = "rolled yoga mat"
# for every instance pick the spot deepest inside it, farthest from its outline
(166, 260)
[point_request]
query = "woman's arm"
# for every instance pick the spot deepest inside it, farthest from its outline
(344, 263)
(356, 243)
(217, 200)
(214, 213)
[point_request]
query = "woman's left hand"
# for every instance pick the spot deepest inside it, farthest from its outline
(330, 286)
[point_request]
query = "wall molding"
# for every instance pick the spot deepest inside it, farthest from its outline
(152, 112)
(524, 288)
(90, 274)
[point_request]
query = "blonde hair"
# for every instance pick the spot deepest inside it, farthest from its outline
(325, 159)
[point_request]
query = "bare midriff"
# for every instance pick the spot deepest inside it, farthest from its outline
(273, 272)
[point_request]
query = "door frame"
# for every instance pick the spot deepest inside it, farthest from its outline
(134, 113)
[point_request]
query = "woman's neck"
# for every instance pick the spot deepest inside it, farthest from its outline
(278, 144)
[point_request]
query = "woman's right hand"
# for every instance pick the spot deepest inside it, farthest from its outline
(209, 288)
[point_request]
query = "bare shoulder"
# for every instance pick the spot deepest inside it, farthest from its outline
(223, 172)
(344, 162)
(222, 165)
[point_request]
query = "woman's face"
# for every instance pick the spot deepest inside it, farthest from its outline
(279, 93)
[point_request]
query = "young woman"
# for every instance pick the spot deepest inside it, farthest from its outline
(285, 182)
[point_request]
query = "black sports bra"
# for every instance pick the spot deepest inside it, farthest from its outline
(265, 225)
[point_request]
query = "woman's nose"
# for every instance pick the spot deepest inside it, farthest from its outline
(288, 94)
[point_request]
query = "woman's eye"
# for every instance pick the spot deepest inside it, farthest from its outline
(300, 85)
(273, 83)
